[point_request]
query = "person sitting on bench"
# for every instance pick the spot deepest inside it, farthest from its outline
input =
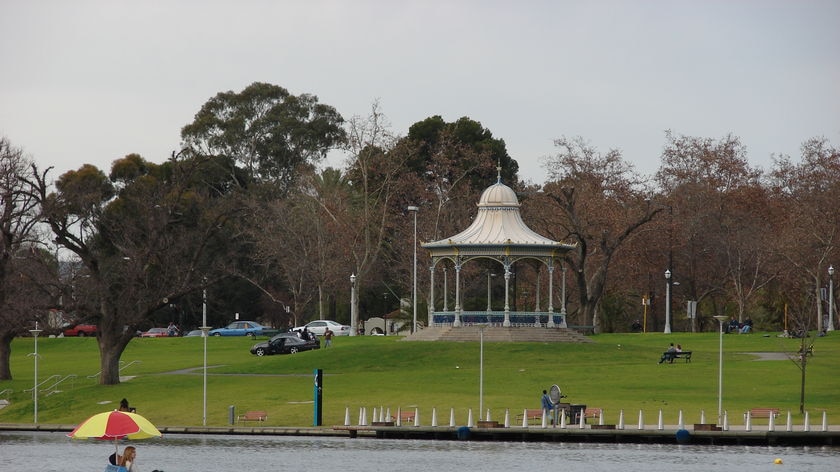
(668, 355)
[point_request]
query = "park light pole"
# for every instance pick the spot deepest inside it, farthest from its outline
(204, 333)
(414, 210)
(721, 319)
(489, 292)
(668, 301)
(353, 315)
(830, 298)
(35, 332)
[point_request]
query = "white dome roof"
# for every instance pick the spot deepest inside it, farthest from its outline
(498, 222)
(498, 194)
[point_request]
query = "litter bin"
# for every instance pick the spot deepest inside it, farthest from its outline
(575, 412)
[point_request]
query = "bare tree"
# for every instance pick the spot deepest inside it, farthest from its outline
(601, 202)
(25, 272)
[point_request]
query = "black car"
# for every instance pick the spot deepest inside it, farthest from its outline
(284, 343)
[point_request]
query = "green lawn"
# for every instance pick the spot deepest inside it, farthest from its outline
(617, 371)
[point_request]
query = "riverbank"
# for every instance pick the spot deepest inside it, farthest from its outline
(671, 434)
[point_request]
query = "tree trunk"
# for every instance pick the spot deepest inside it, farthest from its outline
(6, 338)
(113, 338)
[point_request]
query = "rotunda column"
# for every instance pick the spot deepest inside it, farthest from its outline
(431, 294)
(457, 321)
(506, 323)
(551, 295)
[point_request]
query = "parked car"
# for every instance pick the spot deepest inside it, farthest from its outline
(80, 330)
(193, 333)
(155, 333)
(284, 343)
(319, 326)
(243, 328)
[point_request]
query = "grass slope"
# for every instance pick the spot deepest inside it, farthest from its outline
(617, 371)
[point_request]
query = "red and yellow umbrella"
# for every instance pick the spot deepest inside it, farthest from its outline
(115, 425)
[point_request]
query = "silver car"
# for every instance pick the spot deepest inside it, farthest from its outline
(319, 326)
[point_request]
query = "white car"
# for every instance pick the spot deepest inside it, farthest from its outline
(319, 326)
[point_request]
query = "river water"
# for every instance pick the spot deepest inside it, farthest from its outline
(47, 452)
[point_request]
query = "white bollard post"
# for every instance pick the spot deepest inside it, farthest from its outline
(399, 416)
(621, 419)
(725, 420)
(641, 420)
(702, 416)
(364, 416)
(388, 416)
(544, 418)
(525, 418)
(825, 421)
(748, 422)
(417, 416)
(381, 414)
(582, 423)
(789, 425)
(563, 419)
(660, 424)
(470, 418)
(434, 417)
(487, 416)
(807, 422)
(374, 418)
(452, 417)
(680, 421)
(507, 417)
(771, 422)
(347, 416)
(601, 416)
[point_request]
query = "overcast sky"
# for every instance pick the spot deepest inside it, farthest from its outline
(91, 81)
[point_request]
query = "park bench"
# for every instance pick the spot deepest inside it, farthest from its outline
(592, 413)
(678, 355)
(252, 416)
(407, 417)
(532, 415)
(763, 412)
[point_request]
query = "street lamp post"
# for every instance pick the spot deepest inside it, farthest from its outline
(35, 332)
(721, 319)
(354, 322)
(414, 210)
(489, 293)
(204, 333)
(668, 301)
(830, 326)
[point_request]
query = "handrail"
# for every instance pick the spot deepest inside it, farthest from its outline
(132, 362)
(6, 391)
(52, 389)
(48, 379)
(93, 376)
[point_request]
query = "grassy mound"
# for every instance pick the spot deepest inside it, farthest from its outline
(164, 381)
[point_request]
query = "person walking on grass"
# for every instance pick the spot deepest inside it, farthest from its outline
(328, 335)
